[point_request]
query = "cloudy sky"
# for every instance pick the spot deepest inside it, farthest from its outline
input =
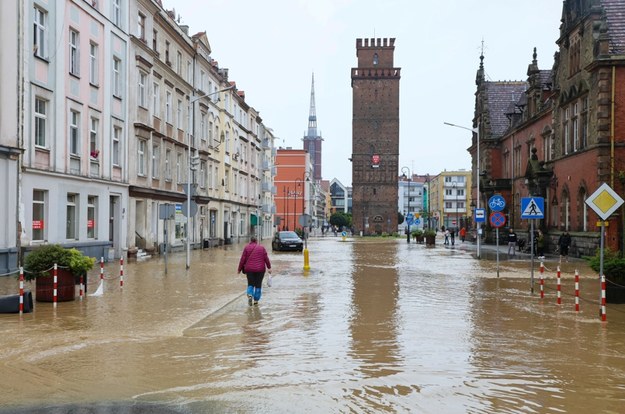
(272, 48)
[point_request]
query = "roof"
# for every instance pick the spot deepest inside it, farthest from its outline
(499, 96)
(615, 16)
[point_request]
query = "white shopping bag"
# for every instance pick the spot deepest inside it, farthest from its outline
(270, 281)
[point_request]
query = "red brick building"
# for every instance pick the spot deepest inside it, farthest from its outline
(292, 188)
(572, 117)
(375, 137)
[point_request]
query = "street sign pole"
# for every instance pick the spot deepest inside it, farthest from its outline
(497, 236)
(532, 253)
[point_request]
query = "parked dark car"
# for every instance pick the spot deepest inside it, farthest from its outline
(287, 240)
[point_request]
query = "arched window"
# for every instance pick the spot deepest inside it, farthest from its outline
(566, 210)
(583, 209)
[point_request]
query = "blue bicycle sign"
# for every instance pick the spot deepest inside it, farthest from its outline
(497, 203)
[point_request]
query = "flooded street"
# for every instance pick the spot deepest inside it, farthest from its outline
(377, 325)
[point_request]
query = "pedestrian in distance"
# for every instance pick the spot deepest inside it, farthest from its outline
(254, 262)
(446, 236)
(512, 240)
(564, 242)
(452, 236)
(540, 245)
(463, 234)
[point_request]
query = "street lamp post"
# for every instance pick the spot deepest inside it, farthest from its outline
(405, 170)
(194, 160)
(476, 131)
(427, 180)
(457, 219)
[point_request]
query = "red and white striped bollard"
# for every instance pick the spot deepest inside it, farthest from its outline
(55, 285)
(559, 287)
(576, 291)
(101, 268)
(121, 272)
(542, 280)
(21, 290)
(82, 287)
(603, 315)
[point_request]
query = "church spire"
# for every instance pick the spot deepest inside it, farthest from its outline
(312, 117)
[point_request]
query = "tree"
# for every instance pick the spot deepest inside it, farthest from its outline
(341, 220)
(400, 218)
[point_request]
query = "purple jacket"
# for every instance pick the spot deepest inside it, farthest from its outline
(257, 261)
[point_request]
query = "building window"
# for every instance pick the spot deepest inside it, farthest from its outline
(74, 60)
(583, 125)
(71, 212)
(117, 133)
(155, 40)
(141, 27)
(39, 33)
(168, 165)
(375, 59)
(179, 168)
(203, 80)
(203, 174)
(565, 129)
(167, 53)
(179, 114)
(574, 127)
(93, 64)
(117, 13)
(179, 63)
(93, 138)
(156, 161)
(141, 157)
(156, 99)
(142, 97)
(189, 72)
(41, 122)
(117, 79)
(74, 133)
(39, 214)
(203, 126)
(92, 204)
(168, 110)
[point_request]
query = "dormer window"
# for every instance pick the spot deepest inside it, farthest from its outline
(375, 59)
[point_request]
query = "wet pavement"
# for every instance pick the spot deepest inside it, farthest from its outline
(377, 325)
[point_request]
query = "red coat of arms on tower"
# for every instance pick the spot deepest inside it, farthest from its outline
(375, 161)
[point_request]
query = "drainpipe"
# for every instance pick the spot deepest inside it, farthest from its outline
(612, 126)
(19, 213)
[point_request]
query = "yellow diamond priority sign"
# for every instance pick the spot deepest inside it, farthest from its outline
(604, 201)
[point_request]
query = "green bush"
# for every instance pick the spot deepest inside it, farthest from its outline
(613, 265)
(417, 233)
(430, 233)
(39, 261)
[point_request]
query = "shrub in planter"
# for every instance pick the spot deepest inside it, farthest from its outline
(39, 266)
(614, 270)
(430, 237)
(417, 235)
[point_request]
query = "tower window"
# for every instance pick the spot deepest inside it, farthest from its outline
(375, 59)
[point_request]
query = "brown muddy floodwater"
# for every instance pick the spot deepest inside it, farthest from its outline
(376, 326)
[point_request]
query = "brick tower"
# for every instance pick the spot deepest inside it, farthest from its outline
(375, 137)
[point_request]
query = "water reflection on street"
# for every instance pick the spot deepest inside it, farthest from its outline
(377, 325)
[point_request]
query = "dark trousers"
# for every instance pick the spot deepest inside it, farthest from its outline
(255, 284)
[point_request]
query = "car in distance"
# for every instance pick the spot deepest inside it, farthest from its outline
(287, 240)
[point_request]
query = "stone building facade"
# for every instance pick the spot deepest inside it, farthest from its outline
(559, 134)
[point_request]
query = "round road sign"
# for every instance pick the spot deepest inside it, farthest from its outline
(497, 219)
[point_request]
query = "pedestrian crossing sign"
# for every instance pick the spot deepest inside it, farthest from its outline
(532, 208)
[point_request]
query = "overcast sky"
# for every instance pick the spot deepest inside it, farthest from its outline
(272, 48)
